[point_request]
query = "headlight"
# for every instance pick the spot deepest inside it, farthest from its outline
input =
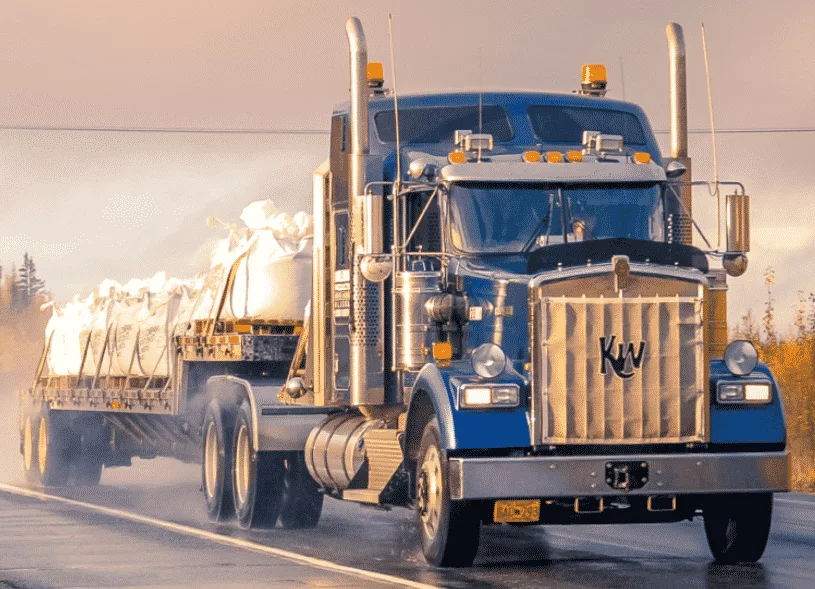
(475, 396)
(489, 360)
(741, 357)
(744, 392)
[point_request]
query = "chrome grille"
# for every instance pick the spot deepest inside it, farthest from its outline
(578, 397)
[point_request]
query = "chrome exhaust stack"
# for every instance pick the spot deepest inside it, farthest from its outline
(680, 225)
(367, 387)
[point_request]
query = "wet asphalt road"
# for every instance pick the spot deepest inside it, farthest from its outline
(653, 556)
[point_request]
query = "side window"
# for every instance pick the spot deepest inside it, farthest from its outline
(341, 239)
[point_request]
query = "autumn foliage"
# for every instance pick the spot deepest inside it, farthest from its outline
(791, 357)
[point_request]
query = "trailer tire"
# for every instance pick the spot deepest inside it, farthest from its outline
(257, 477)
(92, 439)
(449, 529)
(55, 448)
(302, 502)
(738, 526)
(30, 437)
(216, 464)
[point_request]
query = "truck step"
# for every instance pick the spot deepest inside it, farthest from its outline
(361, 495)
(383, 448)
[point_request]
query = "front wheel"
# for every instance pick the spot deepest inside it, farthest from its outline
(738, 526)
(449, 529)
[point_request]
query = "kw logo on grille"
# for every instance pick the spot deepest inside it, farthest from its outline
(623, 354)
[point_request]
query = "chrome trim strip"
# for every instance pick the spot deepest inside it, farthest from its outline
(583, 476)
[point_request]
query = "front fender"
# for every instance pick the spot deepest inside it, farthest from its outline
(468, 429)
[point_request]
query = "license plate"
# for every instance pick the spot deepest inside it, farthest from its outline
(517, 511)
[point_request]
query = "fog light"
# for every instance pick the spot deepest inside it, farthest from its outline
(489, 360)
(731, 392)
(740, 357)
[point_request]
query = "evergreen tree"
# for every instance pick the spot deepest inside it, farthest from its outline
(28, 285)
(13, 298)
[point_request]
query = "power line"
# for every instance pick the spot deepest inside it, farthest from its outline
(166, 130)
(745, 130)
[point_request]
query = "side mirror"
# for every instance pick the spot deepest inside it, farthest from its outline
(675, 169)
(738, 234)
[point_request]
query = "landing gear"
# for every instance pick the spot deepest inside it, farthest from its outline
(738, 526)
(449, 529)
(257, 477)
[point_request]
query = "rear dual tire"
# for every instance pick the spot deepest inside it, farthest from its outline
(58, 451)
(256, 488)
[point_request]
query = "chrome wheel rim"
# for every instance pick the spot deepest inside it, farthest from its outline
(42, 446)
(242, 465)
(430, 492)
(211, 453)
(28, 445)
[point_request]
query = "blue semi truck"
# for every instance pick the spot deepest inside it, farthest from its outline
(509, 324)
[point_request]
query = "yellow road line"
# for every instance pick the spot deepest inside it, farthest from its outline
(225, 540)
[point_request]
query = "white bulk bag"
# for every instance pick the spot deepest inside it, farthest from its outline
(273, 280)
(154, 330)
(64, 328)
(124, 334)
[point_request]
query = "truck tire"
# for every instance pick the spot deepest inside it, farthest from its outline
(302, 502)
(55, 448)
(449, 529)
(30, 437)
(257, 477)
(92, 437)
(216, 464)
(738, 526)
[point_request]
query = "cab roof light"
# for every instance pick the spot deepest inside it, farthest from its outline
(554, 157)
(457, 157)
(642, 157)
(376, 74)
(531, 156)
(593, 79)
(574, 156)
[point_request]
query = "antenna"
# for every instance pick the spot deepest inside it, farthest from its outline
(713, 141)
(480, 101)
(395, 105)
(622, 76)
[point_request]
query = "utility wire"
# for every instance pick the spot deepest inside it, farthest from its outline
(326, 131)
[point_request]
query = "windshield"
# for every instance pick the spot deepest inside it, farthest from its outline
(489, 217)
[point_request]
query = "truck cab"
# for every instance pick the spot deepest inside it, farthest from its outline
(507, 283)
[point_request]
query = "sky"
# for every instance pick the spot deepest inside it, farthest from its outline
(95, 205)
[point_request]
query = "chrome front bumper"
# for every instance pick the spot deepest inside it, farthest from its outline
(583, 476)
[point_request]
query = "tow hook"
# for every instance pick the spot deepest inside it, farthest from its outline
(626, 476)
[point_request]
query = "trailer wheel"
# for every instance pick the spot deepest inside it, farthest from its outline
(302, 500)
(449, 529)
(54, 448)
(257, 477)
(30, 441)
(92, 440)
(738, 526)
(216, 465)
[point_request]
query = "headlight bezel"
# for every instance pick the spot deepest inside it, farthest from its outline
(742, 385)
(738, 347)
(495, 389)
(485, 361)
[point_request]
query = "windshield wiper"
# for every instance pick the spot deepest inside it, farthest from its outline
(545, 222)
